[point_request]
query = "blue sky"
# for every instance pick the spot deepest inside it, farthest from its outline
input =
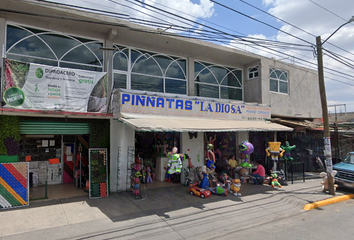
(307, 19)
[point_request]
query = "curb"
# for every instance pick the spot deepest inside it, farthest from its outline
(328, 201)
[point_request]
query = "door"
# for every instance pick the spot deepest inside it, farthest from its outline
(69, 159)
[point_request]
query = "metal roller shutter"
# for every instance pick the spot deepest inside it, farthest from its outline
(38, 127)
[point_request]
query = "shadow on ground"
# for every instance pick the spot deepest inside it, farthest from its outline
(161, 201)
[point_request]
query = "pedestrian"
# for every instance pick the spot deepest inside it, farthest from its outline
(258, 175)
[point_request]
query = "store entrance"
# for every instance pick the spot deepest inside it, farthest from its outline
(151, 152)
(58, 165)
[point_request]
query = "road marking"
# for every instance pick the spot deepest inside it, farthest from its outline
(328, 201)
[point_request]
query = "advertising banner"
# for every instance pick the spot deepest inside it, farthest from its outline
(136, 103)
(42, 87)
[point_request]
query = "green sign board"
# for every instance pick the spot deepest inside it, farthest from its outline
(14, 97)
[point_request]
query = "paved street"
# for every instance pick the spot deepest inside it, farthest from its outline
(163, 213)
(330, 222)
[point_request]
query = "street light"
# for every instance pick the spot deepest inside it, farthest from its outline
(327, 136)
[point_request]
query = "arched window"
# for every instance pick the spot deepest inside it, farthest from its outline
(216, 81)
(51, 48)
(278, 81)
(141, 70)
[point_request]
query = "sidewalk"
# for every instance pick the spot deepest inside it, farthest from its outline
(162, 213)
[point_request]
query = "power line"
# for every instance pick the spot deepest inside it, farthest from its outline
(238, 37)
(327, 10)
(267, 24)
(265, 12)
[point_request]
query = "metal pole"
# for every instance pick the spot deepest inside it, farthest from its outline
(326, 137)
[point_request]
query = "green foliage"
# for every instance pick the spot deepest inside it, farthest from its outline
(100, 134)
(9, 127)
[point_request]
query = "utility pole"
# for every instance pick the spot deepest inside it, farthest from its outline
(326, 133)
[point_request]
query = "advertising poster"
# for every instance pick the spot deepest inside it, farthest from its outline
(42, 87)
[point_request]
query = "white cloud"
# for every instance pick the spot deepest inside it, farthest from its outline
(147, 10)
(319, 18)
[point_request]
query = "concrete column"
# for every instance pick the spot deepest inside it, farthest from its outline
(121, 138)
(196, 149)
(190, 76)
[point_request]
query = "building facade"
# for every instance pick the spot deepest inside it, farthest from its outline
(142, 60)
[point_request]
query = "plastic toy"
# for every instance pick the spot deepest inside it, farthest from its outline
(211, 162)
(189, 171)
(148, 178)
(175, 165)
(225, 180)
(246, 148)
(324, 182)
(205, 182)
(200, 192)
(236, 187)
(274, 178)
(167, 176)
(274, 150)
(218, 190)
(287, 148)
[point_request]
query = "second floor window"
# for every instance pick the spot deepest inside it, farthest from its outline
(216, 81)
(146, 71)
(278, 81)
(253, 72)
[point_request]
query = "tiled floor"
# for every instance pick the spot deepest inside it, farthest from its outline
(56, 191)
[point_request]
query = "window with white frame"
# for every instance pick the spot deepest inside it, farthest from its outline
(147, 71)
(216, 81)
(52, 48)
(253, 72)
(278, 80)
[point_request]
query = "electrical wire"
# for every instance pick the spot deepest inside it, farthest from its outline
(254, 19)
(210, 38)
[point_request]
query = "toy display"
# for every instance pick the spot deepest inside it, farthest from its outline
(246, 148)
(135, 179)
(175, 165)
(148, 177)
(167, 176)
(287, 148)
(274, 150)
(236, 187)
(200, 192)
(243, 172)
(218, 190)
(211, 162)
(189, 171)
(274, 180)
(324, 182)
(205, 182)
(225, 180)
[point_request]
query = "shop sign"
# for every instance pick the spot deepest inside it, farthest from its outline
(132, 102)
(42, 87)
(14, 97)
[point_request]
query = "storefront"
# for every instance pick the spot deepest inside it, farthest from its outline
(57, 151)
(61, 113)
(157, 122)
